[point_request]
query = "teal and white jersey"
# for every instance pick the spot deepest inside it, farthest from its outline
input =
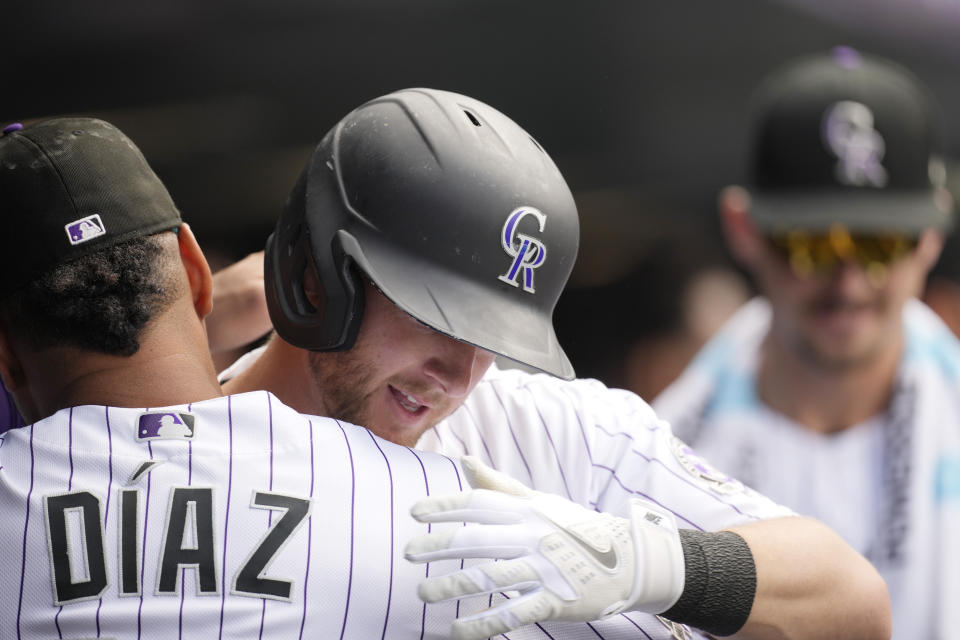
(890, 485)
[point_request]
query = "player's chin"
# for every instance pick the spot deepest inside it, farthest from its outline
(401, 433)
(429, 420)
(854, 352)
(400, 425)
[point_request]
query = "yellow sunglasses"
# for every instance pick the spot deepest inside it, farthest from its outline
(818, 253)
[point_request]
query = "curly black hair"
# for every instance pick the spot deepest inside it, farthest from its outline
(100, 302)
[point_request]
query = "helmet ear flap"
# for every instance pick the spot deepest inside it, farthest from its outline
(335, 323)
(343, 301)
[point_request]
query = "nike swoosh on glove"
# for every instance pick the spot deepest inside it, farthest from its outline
(567, 562)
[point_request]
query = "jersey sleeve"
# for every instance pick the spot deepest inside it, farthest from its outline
(598, 446)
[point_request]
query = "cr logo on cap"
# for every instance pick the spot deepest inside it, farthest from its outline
(527, 252)
(849, 132)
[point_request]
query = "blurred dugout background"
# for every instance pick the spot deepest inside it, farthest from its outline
(642, 105)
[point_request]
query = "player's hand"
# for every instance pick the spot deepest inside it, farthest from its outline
(567, 562)
(240, 313)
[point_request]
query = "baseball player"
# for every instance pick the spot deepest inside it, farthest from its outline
(837, 392)
(429, 232)
(139, 502)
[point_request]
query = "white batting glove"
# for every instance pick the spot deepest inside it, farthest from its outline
(567, 562)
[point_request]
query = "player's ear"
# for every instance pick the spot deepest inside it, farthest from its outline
(312, 289)
(743, 237)
(198, 271)
(929, 246)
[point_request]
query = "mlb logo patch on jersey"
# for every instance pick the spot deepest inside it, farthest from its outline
(165, 425)
(85, 229)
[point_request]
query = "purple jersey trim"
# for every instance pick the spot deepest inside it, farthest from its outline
(614, 434)
(634, 623)
(583, 432)
(479, 433)
(513, 434)
(106, 512)
(26, 524)
(556, 455)
(263, 615)
(270, 424)
(459, 484)
(190, 455)
(56, 617)
(353, 493)
(143, 549)
(536, 624)
(97, 616)
(386, 617)
(70, 449)
(263, 609)
(426, 485)
(456, 436)
(226, 520)
(183, 580)
(306, 573)
(183, 571)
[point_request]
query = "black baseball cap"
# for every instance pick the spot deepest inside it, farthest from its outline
(70, 187)
(845, 138)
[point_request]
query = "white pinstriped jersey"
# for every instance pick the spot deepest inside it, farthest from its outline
(890, 485)
(234, 517)
(594, 445)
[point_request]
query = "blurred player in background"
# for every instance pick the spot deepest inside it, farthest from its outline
(837, 392)
(428, 233)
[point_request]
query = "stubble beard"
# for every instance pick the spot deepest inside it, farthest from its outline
(342, 383)
(824, 358)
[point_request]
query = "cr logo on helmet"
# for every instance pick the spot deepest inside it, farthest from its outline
(527, 252)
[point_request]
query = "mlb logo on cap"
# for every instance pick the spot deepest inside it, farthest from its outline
(165, 425)
(85, 229)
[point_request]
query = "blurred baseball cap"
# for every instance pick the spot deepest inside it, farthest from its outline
(845, 138)
(70, 187)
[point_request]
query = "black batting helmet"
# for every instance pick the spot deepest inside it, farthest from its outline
(454, 212)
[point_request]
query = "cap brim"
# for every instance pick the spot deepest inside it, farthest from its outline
(480, 314)
(861, 211)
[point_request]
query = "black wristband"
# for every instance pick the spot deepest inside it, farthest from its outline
(720, 582)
